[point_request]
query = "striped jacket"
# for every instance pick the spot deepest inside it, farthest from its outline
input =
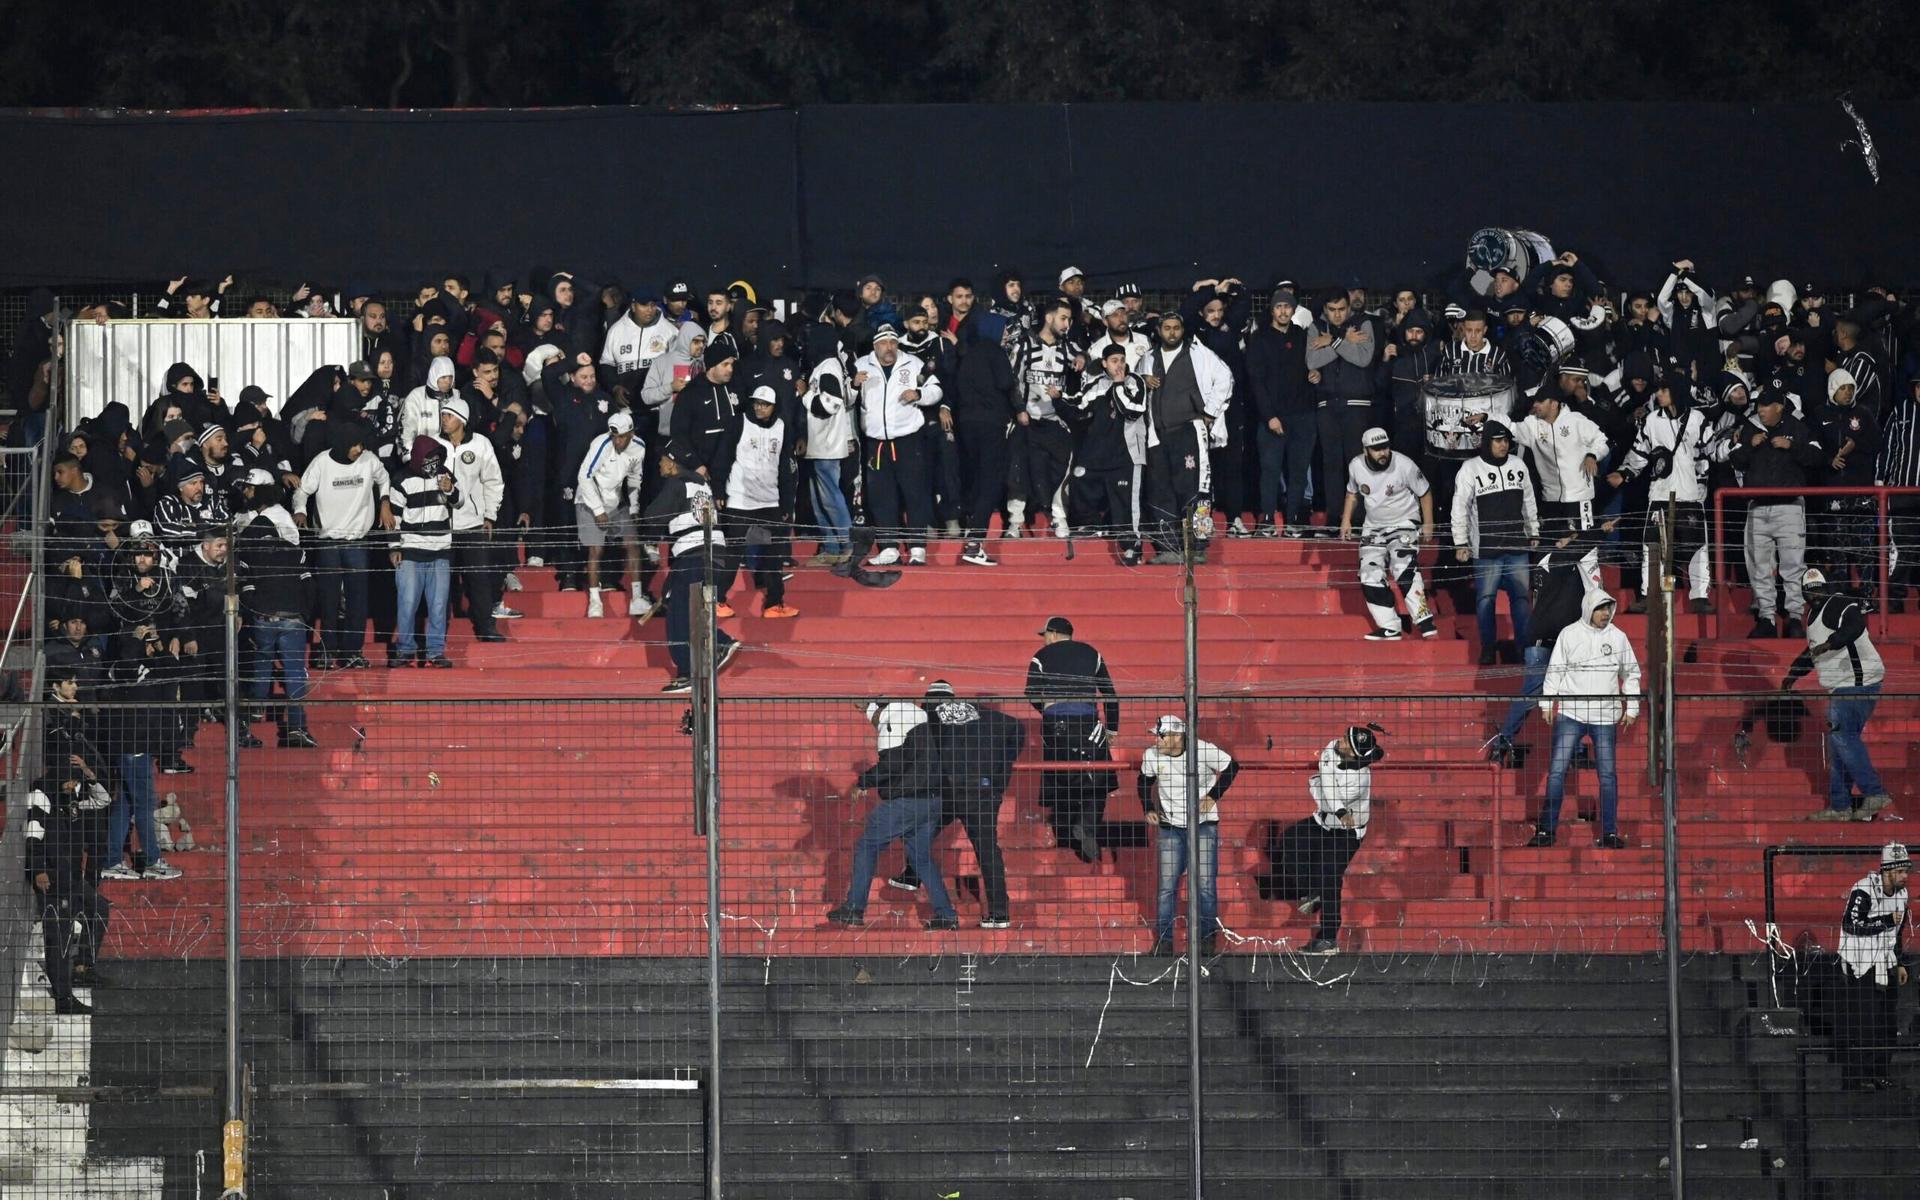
(426, 518)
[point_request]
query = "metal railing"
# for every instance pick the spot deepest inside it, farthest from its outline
(1883, 535)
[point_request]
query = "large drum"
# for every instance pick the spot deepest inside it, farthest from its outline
(1458, 405)
(1518, 250)
(1546, 347)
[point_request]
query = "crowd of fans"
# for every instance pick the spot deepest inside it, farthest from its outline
(539, 421)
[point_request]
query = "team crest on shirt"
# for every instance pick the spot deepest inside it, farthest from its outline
(466, 457)
(1854, 424)
(1607, 650)
(1366, 489)
(1190, 463)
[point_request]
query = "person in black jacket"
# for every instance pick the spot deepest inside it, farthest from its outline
(1775, 449)
(1068, 685)
(578, 409)
(1845, 540)
(983, 404)
(1410, 359)
(908, 779)
(196, 630)
(65, 835)
(1106, 420)
(274, 592)
(141, 729)
(705, 410)
(1560, 583)
(977, 747)
(1216, 311)
(1286, 429)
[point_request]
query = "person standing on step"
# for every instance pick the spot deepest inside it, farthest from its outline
(1566, 449)
(1163, 791)
(977, 747)
(907, 778)
(346, 490)
(1048, 374)
(1068, 684)
(1495, 523)
(684, 513)
(1775, 449)
(1670, 450)
(833, 451)
(483, 488)
(1850, 668)
(65, 840)
(1188, 389)
(275, 594)
(1866, 1020)
(606, 502)
(755, 466)
(1104, 494)
(1594, 668)
(1561, 575)
(1340, 359)
(1308, 862)
(422, 555)
(1398, 521)
(894, 402)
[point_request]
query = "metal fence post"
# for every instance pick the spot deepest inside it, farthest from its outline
(706, 742)
(1190, 607)
(1670, 855)
(234, 1134)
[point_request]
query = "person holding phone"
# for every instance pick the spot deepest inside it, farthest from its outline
(422, 555)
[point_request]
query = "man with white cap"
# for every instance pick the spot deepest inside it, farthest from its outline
(1592, 690)
(476, 472)
(1163, 788)
(1398, 521)
(606, 500)
(1118, 331)
(1865, 1018)
(894, 402)
(1308, 863)
(1850, 668)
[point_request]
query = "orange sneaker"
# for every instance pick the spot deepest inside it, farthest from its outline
(723, 611)
(780, 612)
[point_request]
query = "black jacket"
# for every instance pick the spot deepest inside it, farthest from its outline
(976, 748)
(273, 572)
(701, 417)
(1277, 371)
(982, 380)
(1072, 672)
(1560, 585)
(1766, 465)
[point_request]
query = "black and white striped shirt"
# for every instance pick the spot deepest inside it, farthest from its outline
(1899, 464)
(1867, 392)
(426, 518)
(1489, 359)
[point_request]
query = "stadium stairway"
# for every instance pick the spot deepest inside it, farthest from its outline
(1366, 1078)
(435, 822)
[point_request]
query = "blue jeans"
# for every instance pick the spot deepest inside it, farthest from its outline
(341, 568)
(414, 581)
(830, 506)
(1848, 765)
(914, 820)
(1491, 575)
(684, 574)
(1173, 864)
(132, 805)
(1530, 685)
(1567, 733)
(286, 642)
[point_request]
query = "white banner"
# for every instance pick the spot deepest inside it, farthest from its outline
(128, 360)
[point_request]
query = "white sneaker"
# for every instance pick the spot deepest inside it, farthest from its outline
(534, 560)
(159, 868)
(594, 608)
(120, 870)
(639, 605)
(1239, 528)
(886, 558)
(502, 613)
(917, 557)
(513, 583)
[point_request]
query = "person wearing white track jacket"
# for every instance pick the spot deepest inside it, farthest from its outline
(1592, 691)
(606, 500)
(476, 472)
(1671, 450)
(1567, 449)
(896, 393)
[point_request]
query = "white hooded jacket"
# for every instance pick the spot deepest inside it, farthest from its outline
(420, 409)
(885, 414)
(476, 473)
(1595, 668)
(1559, 451)
(606, 470)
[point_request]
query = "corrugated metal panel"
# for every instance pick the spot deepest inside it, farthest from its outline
(128, 360)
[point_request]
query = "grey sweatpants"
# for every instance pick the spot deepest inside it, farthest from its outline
(1777, 538)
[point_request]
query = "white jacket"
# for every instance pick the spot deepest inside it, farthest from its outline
(1870, 929)
(1681, 445)
(829, 418)
(1336, 790)
(883, 414)
(1558, 450)
(605, 470)
(420, 408)
(631, 348)
(476, 472)
(1589, 662)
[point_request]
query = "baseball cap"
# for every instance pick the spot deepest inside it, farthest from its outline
(679, 289)
(764, 395)
(1112, 349)
(1127, 289)
(939, 689)
(644, 296)
(1813, 578)
(1067, 273)
(1374, 437)
(457, 407)
(620, 422)
(1058, 625)
(1893, 854)
(258, 477)
(1169, 724)
(1111, 307)
(360, 370)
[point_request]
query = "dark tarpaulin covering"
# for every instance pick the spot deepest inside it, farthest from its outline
(1378, 194)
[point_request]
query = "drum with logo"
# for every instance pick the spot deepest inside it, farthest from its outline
(1518, 250)
(1457, 405)
(1548, 347)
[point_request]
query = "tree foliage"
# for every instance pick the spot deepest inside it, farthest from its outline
(432, 53)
